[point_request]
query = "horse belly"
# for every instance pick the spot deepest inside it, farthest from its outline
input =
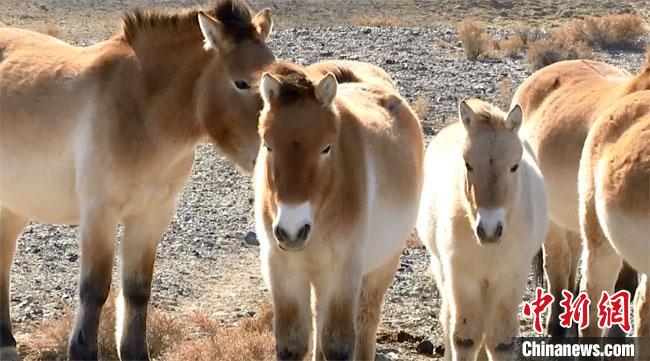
(628, 234)
(563, 198)
(40, 187)
(390, 226)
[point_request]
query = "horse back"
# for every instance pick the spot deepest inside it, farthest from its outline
(560, 103)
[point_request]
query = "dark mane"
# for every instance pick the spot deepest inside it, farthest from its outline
(294, 81)
(234, 14)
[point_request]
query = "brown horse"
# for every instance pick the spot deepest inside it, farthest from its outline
(560, 104)
(337, 187)
(614, 185)
(106, 134)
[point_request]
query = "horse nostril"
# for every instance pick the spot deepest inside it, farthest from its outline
(280, 234)
(480, 232)
(304, 232)
(499, 230)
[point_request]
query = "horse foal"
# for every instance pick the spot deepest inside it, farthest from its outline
(483, 217)
(337, 185)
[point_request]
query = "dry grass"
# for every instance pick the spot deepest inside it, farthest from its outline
(575, 40)
(607, 32)
(379, 20)
(512, 47)
(548, 51)
(421, 106)
(505, 91)
(476, 42)
(252, 340)
(196, 336)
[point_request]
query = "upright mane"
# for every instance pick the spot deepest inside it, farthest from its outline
(233, 14)
(488, 114)
(294, 81)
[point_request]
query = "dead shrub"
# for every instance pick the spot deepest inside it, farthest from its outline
(49, 340)
(512, 46)
(504, 88)
(528, 34)
(378, 20)
(548, 51)
(168, 338)
(608, 32)
(475, 40)
(163, 331)
(263, 320)
(252, 340)
(421, 106)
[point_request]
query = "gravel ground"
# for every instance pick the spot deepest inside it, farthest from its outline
(204, 261)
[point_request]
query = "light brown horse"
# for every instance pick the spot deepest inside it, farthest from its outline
(106, 134)
(337, 187)
(560, 103)
(614, 186)
(483, 220)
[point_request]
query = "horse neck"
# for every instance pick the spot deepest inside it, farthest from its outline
(168, 73)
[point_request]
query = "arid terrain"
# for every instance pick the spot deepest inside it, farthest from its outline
(208, 259)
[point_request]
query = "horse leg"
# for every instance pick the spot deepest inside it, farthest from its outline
(445, 321)
(575, 245)
(373, 289)
(502, 318)
(337, 301)
(557, 267)
(97, 238)
(292, 320)
(600, 265)
(642, 319)
(628, 280)
(467, 313)
(11, 225)
(142, 233)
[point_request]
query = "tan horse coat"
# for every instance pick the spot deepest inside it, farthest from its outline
(346, 160)
(614, 186)
(560, 103)
(106, 134)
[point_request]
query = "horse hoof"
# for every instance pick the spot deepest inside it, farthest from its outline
(9, 353)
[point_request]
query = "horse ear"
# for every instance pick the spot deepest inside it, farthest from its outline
(214, 34)
(325, 91)
(465, 114)
(514, 119)
(263, 24)
(269, 88)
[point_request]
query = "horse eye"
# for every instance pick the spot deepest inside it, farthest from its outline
(268, 149)
(469, 167)
(514, 168)
(242, 84)
(326, 150)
